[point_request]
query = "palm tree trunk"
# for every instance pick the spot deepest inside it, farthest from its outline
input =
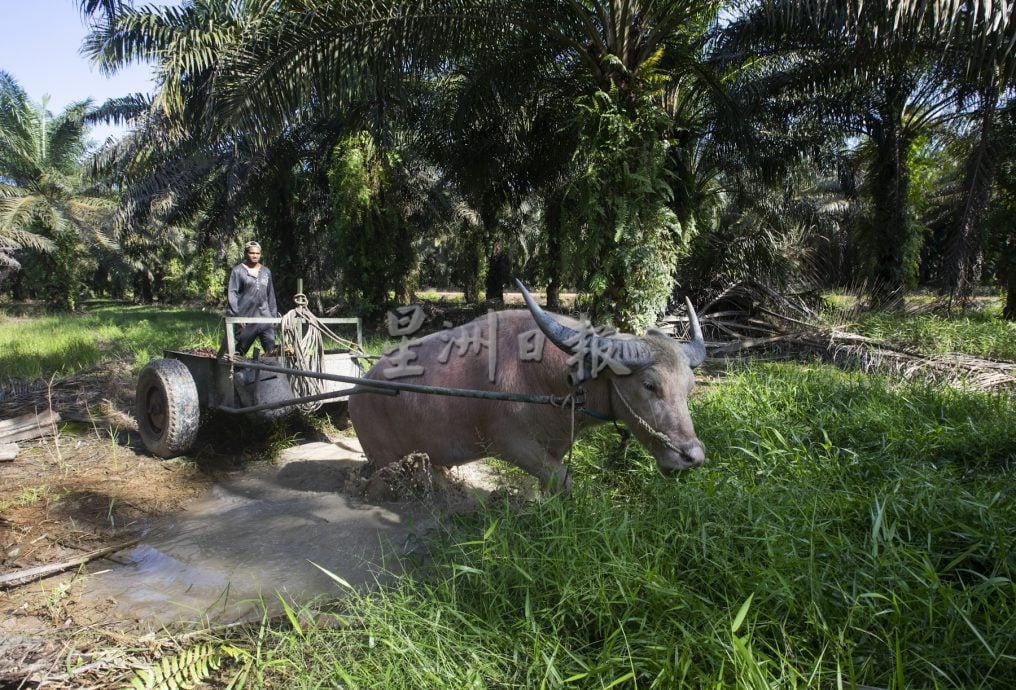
(554, 274)
(892, 230)
(469, 261)
(964, 253)
(497, 259)
(552, 262)
(497, 270)
(1009, 312)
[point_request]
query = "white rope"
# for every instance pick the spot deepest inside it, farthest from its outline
(572, 444)
(302, 345)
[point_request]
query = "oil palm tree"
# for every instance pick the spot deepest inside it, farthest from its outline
(15, 111)
(623, 76)
(640, 91)
(1002, 215)
(887, 73)
(45, 203)
(305, 60)
(185, 167)
(817, 68)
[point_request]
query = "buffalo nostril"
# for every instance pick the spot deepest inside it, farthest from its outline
(695, 454)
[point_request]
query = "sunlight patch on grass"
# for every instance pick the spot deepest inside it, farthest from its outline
(981, 334)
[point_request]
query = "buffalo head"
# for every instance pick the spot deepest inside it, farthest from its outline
(643, 381)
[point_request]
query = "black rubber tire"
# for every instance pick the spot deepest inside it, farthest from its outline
(167, 409)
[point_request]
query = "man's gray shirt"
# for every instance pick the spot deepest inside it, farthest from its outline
(250, 295)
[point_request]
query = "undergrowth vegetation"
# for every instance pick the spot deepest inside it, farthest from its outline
(931, 330)
(37, 344)
(845, 531)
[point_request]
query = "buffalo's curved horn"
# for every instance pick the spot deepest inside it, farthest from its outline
(557, 333)
(695, 349)
(633, 353)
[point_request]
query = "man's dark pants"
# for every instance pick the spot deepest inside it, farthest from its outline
(265, 332)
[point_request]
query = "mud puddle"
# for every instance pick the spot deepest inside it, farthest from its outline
(262, 534)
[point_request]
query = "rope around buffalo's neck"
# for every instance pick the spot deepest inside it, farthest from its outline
(569, 402)
(576, 402)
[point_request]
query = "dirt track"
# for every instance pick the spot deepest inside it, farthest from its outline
(64, 496)
(217, 535)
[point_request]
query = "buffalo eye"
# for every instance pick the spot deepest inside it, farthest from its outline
(649, 386)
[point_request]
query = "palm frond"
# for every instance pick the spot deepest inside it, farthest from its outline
(16, 238)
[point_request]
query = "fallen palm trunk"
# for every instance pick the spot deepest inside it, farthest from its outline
(21, 577)
(984, 374)
(849, 349)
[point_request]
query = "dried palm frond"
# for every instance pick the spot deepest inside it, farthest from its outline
(99, 393)
(763, 320)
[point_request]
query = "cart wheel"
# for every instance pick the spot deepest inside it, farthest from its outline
(167, 408)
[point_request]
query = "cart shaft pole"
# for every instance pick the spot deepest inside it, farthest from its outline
(398, 386)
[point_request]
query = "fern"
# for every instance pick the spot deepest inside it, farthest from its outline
(618, 227)
(189, 668)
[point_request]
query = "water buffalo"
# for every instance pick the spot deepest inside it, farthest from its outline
(643, 382)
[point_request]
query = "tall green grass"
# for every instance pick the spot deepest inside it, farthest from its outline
(38, 345)
(976, 333)
(845, 531)
(980, 333)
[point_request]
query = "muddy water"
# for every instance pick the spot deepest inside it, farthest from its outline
(258, 535)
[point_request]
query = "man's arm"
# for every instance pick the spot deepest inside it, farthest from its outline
(273, 309)
(233, 293)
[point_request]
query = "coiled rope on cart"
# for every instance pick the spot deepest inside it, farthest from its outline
(302, 342)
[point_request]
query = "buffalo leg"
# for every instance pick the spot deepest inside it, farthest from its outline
(553, 476)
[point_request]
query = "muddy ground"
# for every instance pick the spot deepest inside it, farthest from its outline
(62, 497)
(92, 486)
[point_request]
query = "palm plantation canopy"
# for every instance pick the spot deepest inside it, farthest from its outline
(634, 150)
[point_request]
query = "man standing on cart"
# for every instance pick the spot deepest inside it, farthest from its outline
(251, 293)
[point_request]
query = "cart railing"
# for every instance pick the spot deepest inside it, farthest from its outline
(236, 320)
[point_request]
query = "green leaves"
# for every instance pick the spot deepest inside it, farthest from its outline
(45, 205)
(189, 668)
(372, 240)
(742, 613)
(615, 214)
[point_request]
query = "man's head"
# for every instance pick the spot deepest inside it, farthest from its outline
(252, 252)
